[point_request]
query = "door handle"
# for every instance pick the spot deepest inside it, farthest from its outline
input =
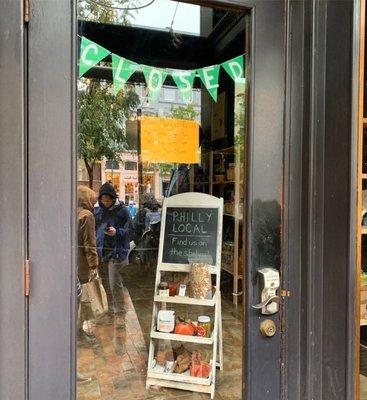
(275, 299)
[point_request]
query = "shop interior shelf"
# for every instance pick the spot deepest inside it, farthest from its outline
(364, 176)
(223, 183)
(364, 230)
(181, 338)
(185, 300)
(158, 372)
(232, 215)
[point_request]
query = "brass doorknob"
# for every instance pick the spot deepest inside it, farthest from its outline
(268, 328)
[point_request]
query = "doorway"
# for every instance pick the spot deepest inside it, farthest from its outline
(181, 117)
(54, 296)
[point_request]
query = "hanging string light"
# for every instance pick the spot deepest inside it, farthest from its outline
(176, 37)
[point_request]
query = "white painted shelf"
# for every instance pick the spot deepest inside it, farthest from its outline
(181, 268)
(155, 374)
(158, 373)
(185, 300)
(181, 338)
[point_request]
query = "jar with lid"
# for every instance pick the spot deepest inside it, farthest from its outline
(163, 289)
(204, 326)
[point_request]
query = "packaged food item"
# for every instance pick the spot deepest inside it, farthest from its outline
(183, 362)
(164, 355)
(199, 368)
(169, 366)
(172, 288)
(166, 321)
(182, 290)
(204, 326)
(200, 281)
(163, 289)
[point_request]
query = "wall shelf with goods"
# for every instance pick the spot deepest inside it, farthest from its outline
(227, 181)
(223, 177)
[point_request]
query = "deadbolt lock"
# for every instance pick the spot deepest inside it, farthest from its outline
(268, 328)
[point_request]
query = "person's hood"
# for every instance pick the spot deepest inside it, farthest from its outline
(107, 188)
(86, 198)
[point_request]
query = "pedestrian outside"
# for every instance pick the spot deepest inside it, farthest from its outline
(113, 233)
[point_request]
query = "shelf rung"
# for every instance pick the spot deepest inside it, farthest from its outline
(181, 338)
(185, 300)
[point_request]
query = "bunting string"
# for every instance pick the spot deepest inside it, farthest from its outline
(92, 53)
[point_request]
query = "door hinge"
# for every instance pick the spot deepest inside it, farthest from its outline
(285, 293)
(26, 10)
(26, 278)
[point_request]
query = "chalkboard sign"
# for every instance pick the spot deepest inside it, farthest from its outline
(190, 234)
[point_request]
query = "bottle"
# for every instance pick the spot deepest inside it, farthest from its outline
(204, 326)
(163, 290)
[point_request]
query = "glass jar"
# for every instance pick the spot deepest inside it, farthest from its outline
(163, 290)
(204, 326)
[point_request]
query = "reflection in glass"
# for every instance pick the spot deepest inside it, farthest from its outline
(136, 148)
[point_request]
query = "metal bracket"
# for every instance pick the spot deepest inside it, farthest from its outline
(26, 12)
(27, 278)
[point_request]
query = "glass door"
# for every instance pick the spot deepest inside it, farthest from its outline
(162, 113)
(167, 131)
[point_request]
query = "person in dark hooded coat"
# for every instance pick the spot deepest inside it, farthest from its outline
(113, 233)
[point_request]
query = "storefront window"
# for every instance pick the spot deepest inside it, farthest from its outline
(161, 279)
(131, 166)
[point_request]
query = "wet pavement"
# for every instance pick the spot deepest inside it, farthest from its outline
(117, 362)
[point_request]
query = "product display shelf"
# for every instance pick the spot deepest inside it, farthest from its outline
(155, 375)
(182, 338)
(237, 214)
(185, 300)
(158, 372)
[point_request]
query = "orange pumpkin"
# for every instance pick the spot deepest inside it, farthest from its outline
(185, 328)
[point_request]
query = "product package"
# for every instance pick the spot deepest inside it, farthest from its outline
(166, 321)
(200, 281)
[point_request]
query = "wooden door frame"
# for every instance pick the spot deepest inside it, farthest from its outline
(13, 304)
(308, 124)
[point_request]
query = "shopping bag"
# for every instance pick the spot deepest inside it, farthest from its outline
(94, 294)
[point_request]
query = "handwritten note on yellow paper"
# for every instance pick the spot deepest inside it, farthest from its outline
(169, 140)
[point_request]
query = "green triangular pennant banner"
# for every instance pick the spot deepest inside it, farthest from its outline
(90, 54)
(155, 78)
(184, 81)
(122, 70)
(210, 76)
(235, 69)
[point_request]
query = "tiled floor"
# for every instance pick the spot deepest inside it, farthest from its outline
(117, 361)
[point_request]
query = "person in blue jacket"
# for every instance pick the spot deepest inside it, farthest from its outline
(113, 235)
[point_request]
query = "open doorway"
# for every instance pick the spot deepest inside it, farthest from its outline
(161, 111)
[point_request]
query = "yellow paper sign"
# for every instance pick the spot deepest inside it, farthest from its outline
(169, 140)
